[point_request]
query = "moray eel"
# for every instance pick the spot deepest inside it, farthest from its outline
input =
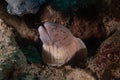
(60, 46)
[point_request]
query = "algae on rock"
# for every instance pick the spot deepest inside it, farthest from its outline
(12, 60)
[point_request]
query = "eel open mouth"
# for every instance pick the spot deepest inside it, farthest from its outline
(42, 25)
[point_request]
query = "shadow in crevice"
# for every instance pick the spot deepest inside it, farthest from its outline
(32, 50)
(92, 45)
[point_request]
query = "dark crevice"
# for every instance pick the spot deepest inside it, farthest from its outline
(92, 45)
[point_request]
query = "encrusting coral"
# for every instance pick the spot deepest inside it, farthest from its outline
(106, 63)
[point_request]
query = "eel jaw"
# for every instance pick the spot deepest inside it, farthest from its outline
(44, 35)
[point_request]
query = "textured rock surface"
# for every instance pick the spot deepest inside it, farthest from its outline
(12, 60)
(18, 23)
(21, 7)
(107, 61)
(82, 28)
(33, 72)
(111, 25)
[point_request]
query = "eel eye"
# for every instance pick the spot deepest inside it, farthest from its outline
(54, 27)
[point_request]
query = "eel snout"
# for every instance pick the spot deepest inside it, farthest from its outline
(44, 35)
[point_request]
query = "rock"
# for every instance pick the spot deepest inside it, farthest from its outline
(106, 64)
(60, 46)
(12, 60)
(50, 73)
(79, 75)
(18, 23)
(21, 7)
(80, 27)
(86, 29)
(111, 25)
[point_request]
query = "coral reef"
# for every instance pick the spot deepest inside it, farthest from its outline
(107, 61)
(33, 72)
(12, 60)
(111, 25)
(21, 7)
(71, 6)
(93, 21)
(81, 28)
